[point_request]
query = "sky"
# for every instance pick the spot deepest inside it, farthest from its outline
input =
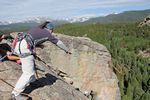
(61, 9)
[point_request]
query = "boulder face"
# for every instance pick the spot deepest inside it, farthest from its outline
(51, 87)
(87, 66)
(86, 70)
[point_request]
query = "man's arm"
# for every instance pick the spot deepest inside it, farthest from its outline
(61, 45)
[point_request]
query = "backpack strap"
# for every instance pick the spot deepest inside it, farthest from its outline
(19, 46)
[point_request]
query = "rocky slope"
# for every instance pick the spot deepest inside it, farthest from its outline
(68, 77)
(52, 88)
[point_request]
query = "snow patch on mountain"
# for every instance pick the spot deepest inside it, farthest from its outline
(77, 19)
(26, 20)
(42, 19)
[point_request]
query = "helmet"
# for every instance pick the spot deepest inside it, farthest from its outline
(50, 26)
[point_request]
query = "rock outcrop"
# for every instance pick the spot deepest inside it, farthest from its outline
(145, 22)
(88, 66)
(68, 77)
(144, 54)
(51, 87)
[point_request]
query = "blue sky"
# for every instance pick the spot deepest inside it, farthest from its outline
(59, 9)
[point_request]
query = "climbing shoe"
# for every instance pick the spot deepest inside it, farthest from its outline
(19, 97)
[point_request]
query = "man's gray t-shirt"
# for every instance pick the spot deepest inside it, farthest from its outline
(41, 35)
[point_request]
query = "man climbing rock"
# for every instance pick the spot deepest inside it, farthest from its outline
(24, 46)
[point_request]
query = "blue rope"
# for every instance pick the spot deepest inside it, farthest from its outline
(3, 58)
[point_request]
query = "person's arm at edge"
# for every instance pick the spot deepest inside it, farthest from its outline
(61, 45)
(58, 43)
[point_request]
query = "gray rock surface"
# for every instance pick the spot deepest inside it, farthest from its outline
(51, 87)
(86, 69)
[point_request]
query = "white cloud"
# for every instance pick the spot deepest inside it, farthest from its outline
(59, 8)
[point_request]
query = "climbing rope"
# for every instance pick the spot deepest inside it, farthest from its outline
(56, 71)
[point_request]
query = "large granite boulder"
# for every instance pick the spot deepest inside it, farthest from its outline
(51, 87)
(67, 77)
(87, 66)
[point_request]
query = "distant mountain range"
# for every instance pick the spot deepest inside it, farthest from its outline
(33, 20)
(42, 19)
(127, 16)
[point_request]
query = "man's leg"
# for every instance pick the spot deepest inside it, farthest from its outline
(27, 76)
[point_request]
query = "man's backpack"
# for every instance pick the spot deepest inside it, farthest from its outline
(29, 40)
